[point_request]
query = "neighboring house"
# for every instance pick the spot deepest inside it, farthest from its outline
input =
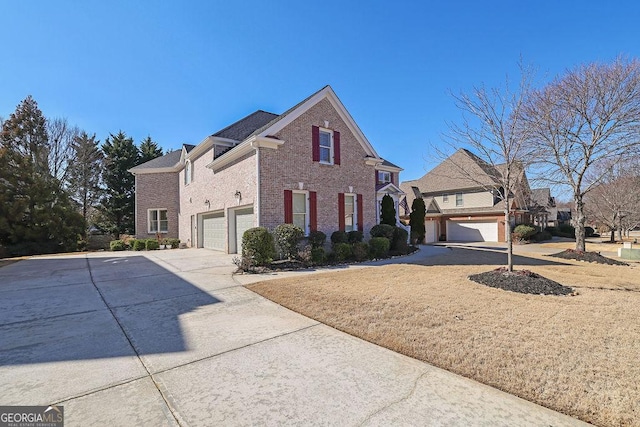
(311, 166)
(543, 208)
(460, 208)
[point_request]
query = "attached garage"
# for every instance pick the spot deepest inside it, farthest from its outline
(243, 222)
(472, 231)
(431, 231)
(213, 231)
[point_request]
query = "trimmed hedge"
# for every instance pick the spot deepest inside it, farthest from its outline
(524, 232)
(318, 256)
(258, 245)
(399, 245)
(342, 251)
(317, 239)
(287, 238)
(360, 251)
(138, 245)
(355, 236)
(117, 245)
(339, 237)
(379, 247)
(151, 244)
(382, 230)
(174, 243)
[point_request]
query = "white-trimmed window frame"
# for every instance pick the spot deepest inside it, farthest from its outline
(355, 212)
(459, 199)
(331, 147)
(306, 213)
(384, 177)
(159, 221)
(188, 172)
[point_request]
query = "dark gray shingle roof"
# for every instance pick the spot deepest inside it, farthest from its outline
(243, 128)
(388, 163)
(541, 196)
(167, 161)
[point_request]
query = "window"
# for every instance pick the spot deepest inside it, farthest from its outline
(326, 147)
(384, 177)
(445, 198)
(350, 219)
(300, 214)
(458, 199)
(158, 222)
(187, 173)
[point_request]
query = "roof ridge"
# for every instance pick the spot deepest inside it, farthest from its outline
(242, 119)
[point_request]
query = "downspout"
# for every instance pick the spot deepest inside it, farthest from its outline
(257, 208)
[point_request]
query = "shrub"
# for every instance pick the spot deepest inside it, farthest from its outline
(317, 239)
(117, 245)
(355, 236)
(382, 230)
(360, 251)
(541, 236)
(304, 254)
(552, 230)
(589, 232)
(318, 255)
(342, 251)
(388, 214)
(379, 247)
(287, 238)
(567, 230)
(416, 220)
(174, 243)
(244, 263)
(258, 246)
(524, 232)
(339, 237)
(399, 245)
(138, 245)
(151, 244)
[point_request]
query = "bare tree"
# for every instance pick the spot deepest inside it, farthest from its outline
(61, 135)
(615, 199)
(493, 128)
(591, 114)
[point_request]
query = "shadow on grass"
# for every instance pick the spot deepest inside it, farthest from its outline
(482, 256)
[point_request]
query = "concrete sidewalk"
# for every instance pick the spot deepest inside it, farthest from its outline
(171, 338)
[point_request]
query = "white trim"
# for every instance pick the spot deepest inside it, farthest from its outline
(330, 95)
(380, 181)
(243, 149)
(306, 214)
(171, 169)
(256, 208)
(355, 211)
(331, 146)
(390, 186)
(149, 231)
(382, 167)
(188, 172)
(372, 161)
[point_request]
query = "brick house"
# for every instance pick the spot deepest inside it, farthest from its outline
(462, 208)
(311, 166)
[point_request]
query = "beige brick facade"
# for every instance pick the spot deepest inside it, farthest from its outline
(284, 168)
(157, 191)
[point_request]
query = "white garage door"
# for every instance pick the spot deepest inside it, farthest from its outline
(213, 231)
(431, 231)
(244, 221)
(472, 231)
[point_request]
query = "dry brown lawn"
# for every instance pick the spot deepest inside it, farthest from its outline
(579, 355)
(590, 246)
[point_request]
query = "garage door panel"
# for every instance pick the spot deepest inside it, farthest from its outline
(431, 233)
(213, 232)
(244, 221)
(472, 231)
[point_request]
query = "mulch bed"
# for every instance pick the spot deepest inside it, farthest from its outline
(522, 281)
(587, 256)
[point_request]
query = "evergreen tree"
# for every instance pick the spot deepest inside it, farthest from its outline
(388, 215)
(149, 150)
(36, 215)
(85, 173)
(118, 204)
(416, 220)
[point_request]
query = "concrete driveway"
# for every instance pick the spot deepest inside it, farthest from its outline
(170, 338)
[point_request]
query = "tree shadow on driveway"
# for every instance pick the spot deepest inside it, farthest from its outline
(483, 256)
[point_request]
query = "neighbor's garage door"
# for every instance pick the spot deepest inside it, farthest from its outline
(431, 231)
(213, 231)
(472, 231)
(244, 221)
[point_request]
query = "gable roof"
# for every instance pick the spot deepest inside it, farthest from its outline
(455, 172)
(169, 161)
(246, 126)
(541, 196)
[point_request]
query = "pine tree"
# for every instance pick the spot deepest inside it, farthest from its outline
(149, 150)
(85, 173)
(118, 204)
(36, 215)
(388, 211)
(416, 220)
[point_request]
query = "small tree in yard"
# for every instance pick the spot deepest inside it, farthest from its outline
(493, 126)
(589, 115)
(388, 214)
(416, 220)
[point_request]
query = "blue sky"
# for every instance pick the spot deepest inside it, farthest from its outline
(179, 71)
